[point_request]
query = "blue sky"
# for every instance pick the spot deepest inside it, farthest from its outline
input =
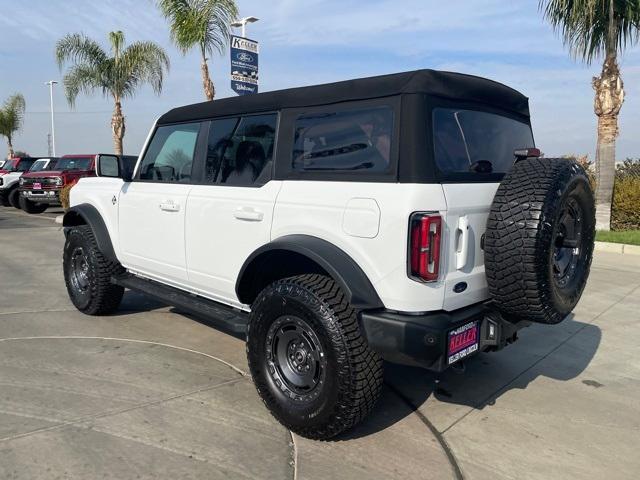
(305, 42)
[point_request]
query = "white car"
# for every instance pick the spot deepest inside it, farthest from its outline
(407, 217)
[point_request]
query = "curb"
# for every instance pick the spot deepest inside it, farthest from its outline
(621, 248)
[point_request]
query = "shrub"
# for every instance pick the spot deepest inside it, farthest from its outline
(625, 207)
(64, 194)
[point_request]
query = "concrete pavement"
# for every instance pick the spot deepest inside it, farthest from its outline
(153, 393)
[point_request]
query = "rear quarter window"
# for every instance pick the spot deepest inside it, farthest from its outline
(345, 140)
(476, 142)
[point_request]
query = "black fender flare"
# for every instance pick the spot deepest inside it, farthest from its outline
(338, 265)
(88, 214)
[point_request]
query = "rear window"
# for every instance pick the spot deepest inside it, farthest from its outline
(470, 141)
(78, 163)
(357, 139)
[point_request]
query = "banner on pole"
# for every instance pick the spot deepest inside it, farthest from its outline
(244, 65)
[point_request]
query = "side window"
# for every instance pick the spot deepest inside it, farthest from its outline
(220, 134)
(344, 140)
(248, 151)
(169, 157)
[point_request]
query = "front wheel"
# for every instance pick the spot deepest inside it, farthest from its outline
(87, 274)
(32, 207)
(14, 198)
(312, 368)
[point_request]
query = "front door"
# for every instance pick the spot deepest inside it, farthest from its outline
(229, 214)
(152, 206)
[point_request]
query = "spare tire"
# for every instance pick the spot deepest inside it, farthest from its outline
(539, 240)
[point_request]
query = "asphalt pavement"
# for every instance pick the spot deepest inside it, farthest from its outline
(152, 392)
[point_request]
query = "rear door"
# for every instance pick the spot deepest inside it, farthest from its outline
(229, 213)
(153, 205)
(473, 149)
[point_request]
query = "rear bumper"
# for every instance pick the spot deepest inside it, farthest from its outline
(421, 340)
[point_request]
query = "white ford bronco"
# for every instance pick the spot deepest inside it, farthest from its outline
(406, 218)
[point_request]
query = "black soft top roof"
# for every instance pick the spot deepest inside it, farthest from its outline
(456, 86)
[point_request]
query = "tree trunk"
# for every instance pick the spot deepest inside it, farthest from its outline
(609, 97)
(10, 145)
(117, 127)
(209, 89)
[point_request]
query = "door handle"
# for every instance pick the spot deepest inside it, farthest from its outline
(170, 206)
(248, 214)
(462, 233)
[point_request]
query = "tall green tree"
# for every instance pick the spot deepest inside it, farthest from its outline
(594, 29)
(11, 118)
(204, 24)
(117, 74)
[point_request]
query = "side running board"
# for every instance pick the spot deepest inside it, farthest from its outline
(224, 316)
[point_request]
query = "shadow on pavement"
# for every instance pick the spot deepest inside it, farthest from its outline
(487, 376)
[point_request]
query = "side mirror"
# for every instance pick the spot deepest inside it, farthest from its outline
(111, 166)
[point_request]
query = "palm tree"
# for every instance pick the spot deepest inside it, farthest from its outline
(594, 29)
(117, 76)
(201, 23)
(11, 118)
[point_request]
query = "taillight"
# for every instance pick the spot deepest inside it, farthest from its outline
(424, 246)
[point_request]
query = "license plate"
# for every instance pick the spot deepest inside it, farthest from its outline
(37, 186)
(462, 342)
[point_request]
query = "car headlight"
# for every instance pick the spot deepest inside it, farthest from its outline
(58, 181)
(21, 181)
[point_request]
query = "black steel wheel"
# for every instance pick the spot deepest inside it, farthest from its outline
(309, 363)
(87, 274)
(296, 359)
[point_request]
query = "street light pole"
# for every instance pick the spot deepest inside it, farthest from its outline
(242, 24)
(51, 83)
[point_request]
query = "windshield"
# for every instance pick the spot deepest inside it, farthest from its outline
(78, 163)
(10, 165)
(39, 165)
(477, 142)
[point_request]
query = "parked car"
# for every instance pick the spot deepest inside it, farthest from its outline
(406, 217)
(11, 171)
(40, 190)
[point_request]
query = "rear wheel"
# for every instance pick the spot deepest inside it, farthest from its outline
(32, 207)
(311, 366)
(87, 274)
(14, 198)
(539, 240)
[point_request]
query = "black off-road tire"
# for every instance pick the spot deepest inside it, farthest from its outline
(14, 198)
(32, 207)
(93, 293)
(350, 375)
(539, 240)
(4, 199)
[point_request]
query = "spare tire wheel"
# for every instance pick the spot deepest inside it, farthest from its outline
(539, 240)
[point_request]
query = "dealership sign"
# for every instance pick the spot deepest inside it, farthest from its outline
(244, 65)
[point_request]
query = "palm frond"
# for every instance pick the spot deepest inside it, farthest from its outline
(587, 27)
(77, 48)
(143, 62)
(83, 79)
(203, 23)
(12, 114)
